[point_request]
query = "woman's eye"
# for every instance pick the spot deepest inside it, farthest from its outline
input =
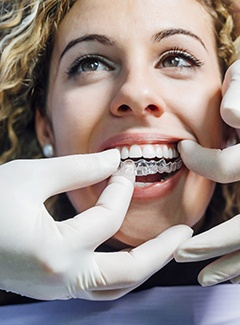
(89, 64)
(178, 59)
(175, 61)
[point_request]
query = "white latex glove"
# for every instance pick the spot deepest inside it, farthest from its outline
(230, 107)
(45, 259)
(221, 166)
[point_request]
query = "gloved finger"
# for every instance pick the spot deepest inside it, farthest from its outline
(221, 166)
(230, 106)
(127, 270)
(124, 271)
(220, 240)
(236, 279)
(108, 294)
(101, 222)
(221, 270)
(56, 175)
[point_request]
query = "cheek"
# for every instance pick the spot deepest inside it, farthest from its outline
(75, 118)
(201, 113)
(86, 198)
(196, 197)
(82, 199)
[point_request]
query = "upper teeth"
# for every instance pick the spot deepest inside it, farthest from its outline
(148, 151)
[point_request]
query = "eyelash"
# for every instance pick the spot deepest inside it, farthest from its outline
(184, 54)
(73, 69)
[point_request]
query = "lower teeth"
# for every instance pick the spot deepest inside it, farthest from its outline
(144, 167)
(140, 184)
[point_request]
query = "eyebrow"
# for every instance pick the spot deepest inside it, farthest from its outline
(107, 41)
(86, 38)
(176, 31)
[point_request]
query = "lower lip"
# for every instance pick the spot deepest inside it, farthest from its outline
(158, 189)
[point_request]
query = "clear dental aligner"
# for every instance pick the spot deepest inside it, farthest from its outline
(145, 167)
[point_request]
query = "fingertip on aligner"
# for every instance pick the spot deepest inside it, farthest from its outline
(128, 167)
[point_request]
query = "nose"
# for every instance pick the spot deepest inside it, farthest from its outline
(137, 94)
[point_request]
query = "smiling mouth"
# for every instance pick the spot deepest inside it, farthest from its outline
(153, 163)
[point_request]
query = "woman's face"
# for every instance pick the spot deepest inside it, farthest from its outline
(139, 76)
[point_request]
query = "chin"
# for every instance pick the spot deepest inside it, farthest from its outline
(136, 232)
(145, 223)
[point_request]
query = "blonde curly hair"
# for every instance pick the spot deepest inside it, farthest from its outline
(27, 33)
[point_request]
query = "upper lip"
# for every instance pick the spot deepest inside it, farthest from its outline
(137, 138)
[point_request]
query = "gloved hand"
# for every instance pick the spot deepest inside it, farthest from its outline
(45, 259)
(221, 166)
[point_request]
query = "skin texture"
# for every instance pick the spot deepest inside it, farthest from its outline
(137, 96)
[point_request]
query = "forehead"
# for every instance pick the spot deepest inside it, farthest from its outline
(134, 18)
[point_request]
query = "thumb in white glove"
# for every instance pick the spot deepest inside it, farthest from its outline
(222, 166)
(230, 107)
